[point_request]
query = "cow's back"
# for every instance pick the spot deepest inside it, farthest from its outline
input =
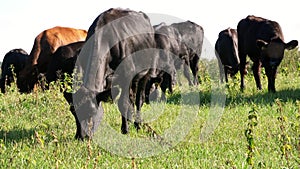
(16, 58)
(49, 40)
(126, 25)
(192, 34)
(227, 48)
(131, 32)
(252, 28)
(168, 38)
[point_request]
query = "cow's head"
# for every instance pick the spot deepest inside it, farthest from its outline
(271, 56)
(86, 107)
(27, 79)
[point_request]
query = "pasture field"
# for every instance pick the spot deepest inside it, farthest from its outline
(37, 130)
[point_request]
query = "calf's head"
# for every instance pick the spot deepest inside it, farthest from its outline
(271, 56)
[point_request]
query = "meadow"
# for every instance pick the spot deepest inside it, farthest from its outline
(257, 129)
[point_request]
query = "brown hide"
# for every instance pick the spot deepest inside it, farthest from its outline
(46, 44)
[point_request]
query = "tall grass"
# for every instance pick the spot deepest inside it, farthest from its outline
(37, 130)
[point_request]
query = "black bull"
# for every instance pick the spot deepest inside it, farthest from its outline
(262, 40)
(114, 35)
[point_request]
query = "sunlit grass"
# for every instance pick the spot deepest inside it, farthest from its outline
(37, 130)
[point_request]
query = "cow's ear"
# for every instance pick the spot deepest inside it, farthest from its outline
(291, 45)
(261, 44)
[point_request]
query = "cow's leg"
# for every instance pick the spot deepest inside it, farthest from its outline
(163, 94)
(195, 68)
(2, 85)
(226, 74)
(149, 85)
(123, 105)
(140, 97)
(221, 69)
(186, 73)
(169, 80)
(166, 84)
(271, 74)
(256, 72)
(79, 134)
(130, 110)
(148, 89)
(271, 84)
(242, 69)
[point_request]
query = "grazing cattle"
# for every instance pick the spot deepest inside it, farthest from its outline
(113, 36)
(184, 39)
(192, 35)
(15, 58)
(63, 61)
(173, 53)
(45, 44)
(226, 48)
(262, 40)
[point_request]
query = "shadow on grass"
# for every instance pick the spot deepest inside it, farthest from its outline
(264, 98)
(190, 98)
(16, 135)
(283, 95)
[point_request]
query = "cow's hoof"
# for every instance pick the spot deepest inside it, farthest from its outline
(272, 91)
(78, 137)
(137, 126)
(124, 131)
(242, 89)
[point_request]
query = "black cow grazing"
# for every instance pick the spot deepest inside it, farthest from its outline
(174, 53)
(63, 61)
(114, 35)
(184, 39)
(227, 52)
(192, 35)
(262, 40)
(15, 58)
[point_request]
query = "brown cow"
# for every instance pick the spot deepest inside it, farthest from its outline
(45, 44)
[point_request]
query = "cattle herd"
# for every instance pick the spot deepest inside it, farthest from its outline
(157, 53)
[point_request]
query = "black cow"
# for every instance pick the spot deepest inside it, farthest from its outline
(192, 35)
(63, 61)
(262, 40)
(227, 52)
(15, 58)
(184, 39)
(114, 35)
(174, 53)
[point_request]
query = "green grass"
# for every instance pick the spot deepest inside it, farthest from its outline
(37, 130)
